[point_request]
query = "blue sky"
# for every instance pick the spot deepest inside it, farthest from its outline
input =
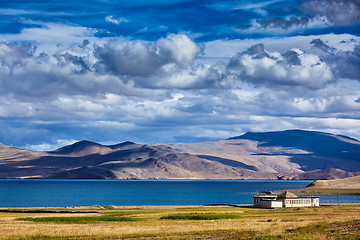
(176, 71)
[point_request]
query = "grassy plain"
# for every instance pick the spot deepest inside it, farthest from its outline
(181, 222)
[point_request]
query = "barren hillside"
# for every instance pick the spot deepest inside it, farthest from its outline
(292, 154)
(344, 186)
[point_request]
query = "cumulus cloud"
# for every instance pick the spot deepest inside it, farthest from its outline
(346, 64)
(76, 80)
(343, 63)
(140, 58)
(151, 87)
(119, 67)
(170, 62)
(131, 68)
(26, 73)
(13, 55)
(140, 68)
(293, 68)
(319, 44)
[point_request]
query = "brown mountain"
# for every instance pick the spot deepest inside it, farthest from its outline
(122, 161)
(345, 183)
(344, 186)
(292, 154)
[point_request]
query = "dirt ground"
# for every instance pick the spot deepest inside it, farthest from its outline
(325, 222)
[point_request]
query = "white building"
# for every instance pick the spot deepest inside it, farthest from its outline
(285, 199)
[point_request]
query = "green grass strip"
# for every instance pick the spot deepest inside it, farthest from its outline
(126, 213)
(78, 219)
(202, 216)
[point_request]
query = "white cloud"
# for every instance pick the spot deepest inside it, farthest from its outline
(225, 49)
(116, 21)
(294, 68)
(162, 90)
(48, 146)
(125, 126)
(50, 37)
(179, 48)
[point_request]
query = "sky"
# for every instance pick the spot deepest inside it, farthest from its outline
(177, 70)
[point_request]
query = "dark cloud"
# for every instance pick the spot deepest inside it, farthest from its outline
(13, 55)
(343, 64)
(306, 17)
(26, 74)
(130, 58)
(139, 58)
(347, 64)
(319, 44)
(82, 64)
(292, 58)
(337, 11)
(357, 50)
(165, 64)
(257, 51)
(284, 23)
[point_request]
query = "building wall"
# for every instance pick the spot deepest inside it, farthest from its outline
(258, 202)
(298, 202)
(315, 202)
(292, 202)
(276, 204)
(301, 202)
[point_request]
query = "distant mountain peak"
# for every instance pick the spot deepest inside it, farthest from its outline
(319, 143)
(77, 147)
(288, 133)
(87, 143)
(119, 145)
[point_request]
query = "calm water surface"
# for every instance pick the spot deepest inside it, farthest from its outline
(62, 193)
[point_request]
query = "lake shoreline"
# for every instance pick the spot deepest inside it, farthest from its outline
(319, 191)
(343, 186)
(45, 193)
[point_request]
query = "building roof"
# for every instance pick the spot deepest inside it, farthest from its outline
(286, 194)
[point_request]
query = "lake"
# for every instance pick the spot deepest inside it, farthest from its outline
(62, 193)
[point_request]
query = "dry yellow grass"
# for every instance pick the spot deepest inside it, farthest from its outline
(252, 221)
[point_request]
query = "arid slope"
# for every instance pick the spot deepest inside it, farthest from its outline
(344, 186)
(292, 154)
(122, 161)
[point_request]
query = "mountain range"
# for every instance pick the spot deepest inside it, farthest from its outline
(290, 154)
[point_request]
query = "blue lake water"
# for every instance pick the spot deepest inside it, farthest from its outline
(62, 193)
